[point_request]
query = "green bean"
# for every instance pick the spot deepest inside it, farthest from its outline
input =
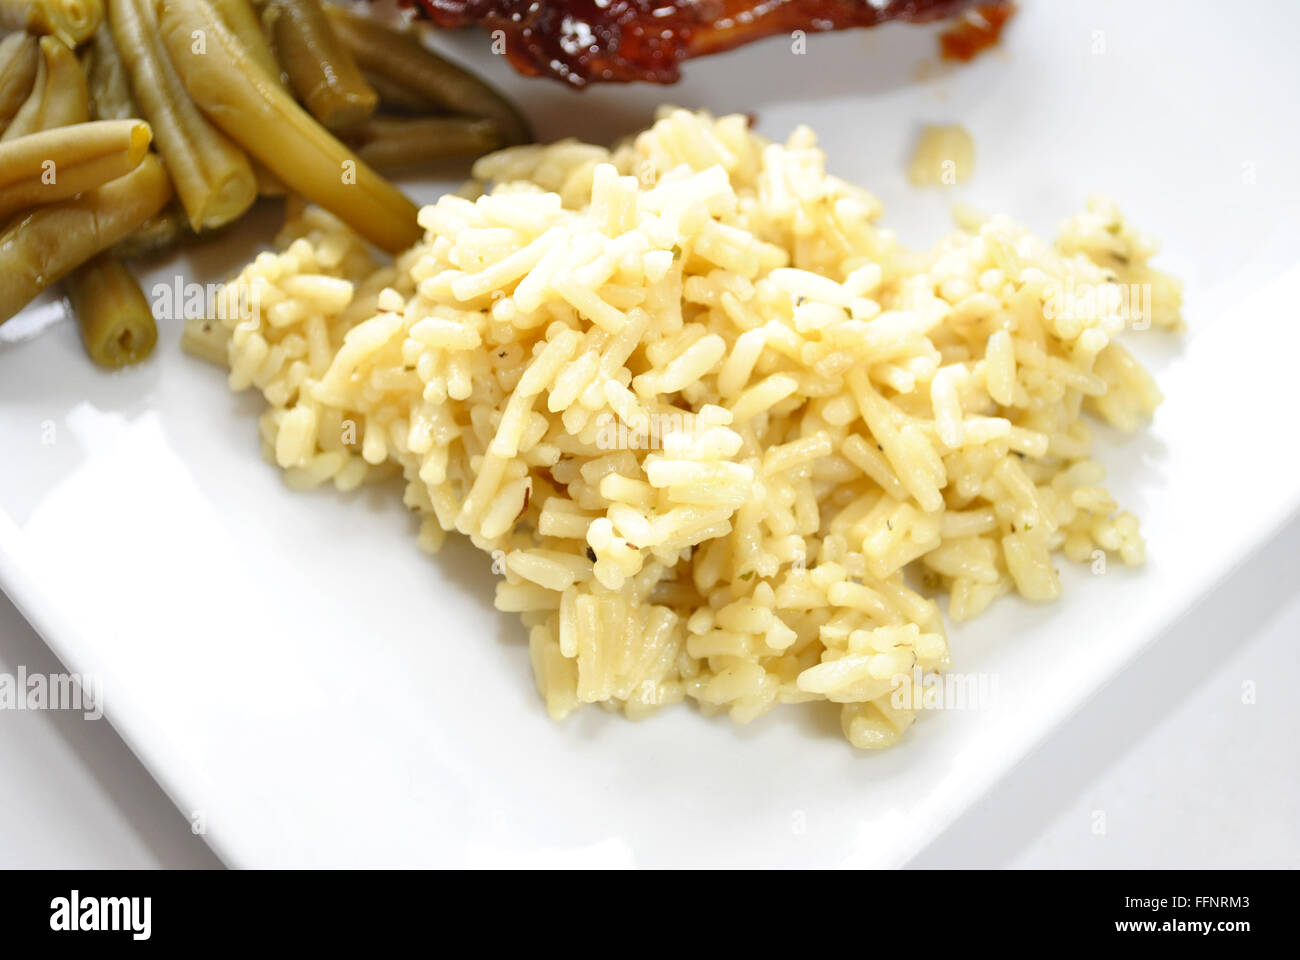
(117, 326)
(262, 117)
(244, 23)
(320, 68)
(161, 231)
(58, 99)
(106, 76)
(71, 157)
(19, 57)
(111, 96)
(268, 184)
(401, 57)
(56, 164)
(49, 242)
(213, 177)
(402, 143)
(72, 21)
(394, 96)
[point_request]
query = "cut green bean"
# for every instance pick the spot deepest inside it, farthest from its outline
(268, 184)
(117, 326)
(20, 55)
(402, 58)
(395, 97)
(244, 23)
(58, 99)
(56, 164)
(213, 177)
(49, 242)
(265, 120)
(72, 21)
(107, 78)
(319, 66)
(403, 143)
(160, 232)
(75, 158)
(111, 96)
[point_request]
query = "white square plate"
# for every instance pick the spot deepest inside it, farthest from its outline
(299, 676)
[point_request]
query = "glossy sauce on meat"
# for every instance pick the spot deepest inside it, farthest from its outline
(582, 41)
(975, 31)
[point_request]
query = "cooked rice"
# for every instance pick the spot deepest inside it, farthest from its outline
(943, 156)
(708, 413)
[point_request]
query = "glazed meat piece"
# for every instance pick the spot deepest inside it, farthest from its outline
(584, 41)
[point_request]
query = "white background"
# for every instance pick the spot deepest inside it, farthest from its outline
(1166, 767)
(161, 466)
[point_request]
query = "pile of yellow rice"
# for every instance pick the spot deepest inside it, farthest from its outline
(706, 415)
